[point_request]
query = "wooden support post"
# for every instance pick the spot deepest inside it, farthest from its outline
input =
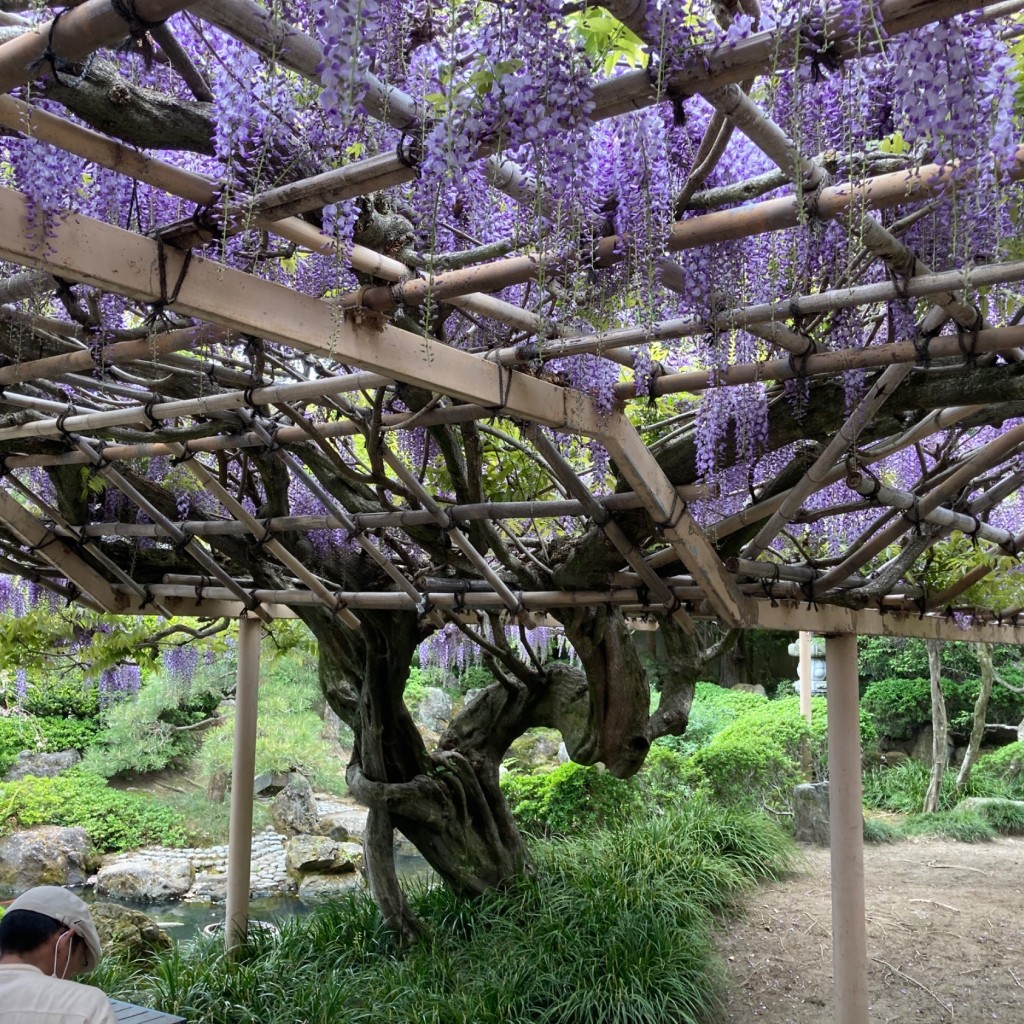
(846, 822)
(243, 770)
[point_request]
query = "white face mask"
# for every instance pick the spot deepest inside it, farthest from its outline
(70, 936)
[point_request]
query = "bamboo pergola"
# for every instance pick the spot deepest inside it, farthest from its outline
(175, 388)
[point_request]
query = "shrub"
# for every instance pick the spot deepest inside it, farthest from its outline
(572, 799)
(289, 736)
(964, 826)
(713, 708)
(57, 697)
(114, 820)
(755, 760)
(899, 707)
(45, 735)
(150, 731)
(1005, 767)
(1006, 818)
(878, 830)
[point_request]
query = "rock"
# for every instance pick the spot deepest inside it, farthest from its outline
(45, 855)
(43, 766)
(536, 748)
(146, 879)
(563, 753)
(750, 688)
(131, 933)
(891, 758)
(208, 888)
(314, 888)
(471, 695)
(269, 783)
(810, 813)
(435, 710)
(334, 824)
(294, 809)
(350, 819)
(320, 855)
(922, 747)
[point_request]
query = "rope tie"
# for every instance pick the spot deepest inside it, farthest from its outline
(808, 589)
(138, 29)
(57, 63)
(66, 436)
(798, 360)
(147, 409)
(922, 341)
(156, 309)
(409, 152)
(969, 352)
(204, 582)
(73, 593)
(186, 454)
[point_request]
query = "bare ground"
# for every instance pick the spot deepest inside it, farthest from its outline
(945, 927)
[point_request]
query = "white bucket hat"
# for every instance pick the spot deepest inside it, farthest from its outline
(64, 906)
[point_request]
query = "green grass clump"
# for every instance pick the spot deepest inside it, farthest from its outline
(114, 820)
(1004, 766)
(1006, 818)
(902, 788)
(878, 830)
(963, 826)
(607, 929)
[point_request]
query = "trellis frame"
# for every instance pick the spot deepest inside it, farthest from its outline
(734, 592)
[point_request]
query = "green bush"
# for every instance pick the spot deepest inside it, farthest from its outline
(114, 820)
(901, 707)
(713, 708)
(289, 736)
(572, 799)
(1006, 818)
(610, 928)
(878, 830)
(64, 696)
(1005, 767)
(756, 759)
(150, 731)
(44, 735)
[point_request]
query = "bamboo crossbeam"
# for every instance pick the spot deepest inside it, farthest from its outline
(82, 30)
(980, 461)
(63, 527)
(495, 511)
(111, 355)
(180, 539)
(971, 526)
(55, 552)
(267, 540)
(615, 534)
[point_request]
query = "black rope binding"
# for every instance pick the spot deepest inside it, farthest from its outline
(409, 152)
(798, 360)
(138, 29)
(57, 63)
(156, 309)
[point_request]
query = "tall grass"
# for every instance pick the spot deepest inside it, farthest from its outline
(612, 929)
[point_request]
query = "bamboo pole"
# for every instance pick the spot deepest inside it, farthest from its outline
(243, 771)
(972, 526)
(80, 31)
(846, 826)
(983, 459)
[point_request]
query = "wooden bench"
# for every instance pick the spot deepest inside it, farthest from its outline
(127, 1013)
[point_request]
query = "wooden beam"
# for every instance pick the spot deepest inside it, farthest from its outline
(88, 250)
(641, 469)
(56, 552)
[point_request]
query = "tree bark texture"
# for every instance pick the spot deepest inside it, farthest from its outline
(978, 721)
(940, 727)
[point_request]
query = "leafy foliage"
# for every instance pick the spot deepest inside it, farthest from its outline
(114, 820)
(43, 735)
(1004, 766)
(713, 708)
(54, 696)
(900, 707)
(611, 927)
(755, 760)
(902, 787)
(150, 731)
(289, 732)
(963, 826)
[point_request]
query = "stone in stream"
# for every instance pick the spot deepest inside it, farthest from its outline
(45, 855)
(146, 878)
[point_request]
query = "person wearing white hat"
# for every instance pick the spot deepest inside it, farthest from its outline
(47, 936)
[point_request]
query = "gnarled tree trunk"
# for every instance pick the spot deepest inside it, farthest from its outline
(940, 727)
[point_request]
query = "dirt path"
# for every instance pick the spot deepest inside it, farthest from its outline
(945, 938)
